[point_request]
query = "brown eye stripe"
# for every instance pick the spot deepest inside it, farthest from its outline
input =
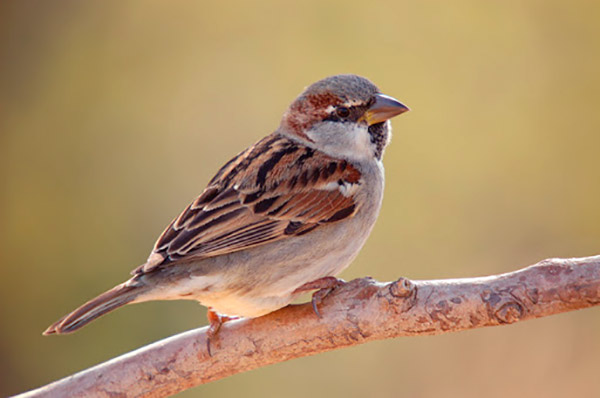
(322, 100)
(346, 113)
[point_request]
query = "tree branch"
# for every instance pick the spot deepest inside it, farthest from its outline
(362, 310)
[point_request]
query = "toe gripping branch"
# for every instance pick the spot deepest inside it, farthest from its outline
(325, 286)
(215, 321)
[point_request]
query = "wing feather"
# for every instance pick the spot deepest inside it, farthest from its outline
(274, 190)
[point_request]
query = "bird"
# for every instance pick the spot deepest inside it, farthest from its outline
(283, 217)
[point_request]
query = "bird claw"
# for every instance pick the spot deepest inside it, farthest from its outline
(325, 286)
(215, 321)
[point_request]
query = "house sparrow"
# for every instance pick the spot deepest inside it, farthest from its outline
(282, 217)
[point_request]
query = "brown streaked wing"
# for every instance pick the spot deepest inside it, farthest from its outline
(274, 190)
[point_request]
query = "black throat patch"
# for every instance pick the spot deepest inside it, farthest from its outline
(379, 137)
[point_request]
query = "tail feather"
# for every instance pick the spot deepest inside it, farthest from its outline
(114, 298)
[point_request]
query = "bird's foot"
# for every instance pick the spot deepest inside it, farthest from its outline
(215, 321)
(325, 285)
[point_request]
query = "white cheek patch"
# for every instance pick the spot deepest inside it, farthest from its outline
(313, 135)
(359, 144)
(348, 140)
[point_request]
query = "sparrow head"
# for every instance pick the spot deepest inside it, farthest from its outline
(344, 116)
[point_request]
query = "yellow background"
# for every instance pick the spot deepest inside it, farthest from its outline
(114, 115)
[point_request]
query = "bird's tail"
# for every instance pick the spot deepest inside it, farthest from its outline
(114, 298)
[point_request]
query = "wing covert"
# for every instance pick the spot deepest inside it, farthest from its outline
(274, 190)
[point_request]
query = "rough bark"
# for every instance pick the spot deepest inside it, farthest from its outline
(362, 310)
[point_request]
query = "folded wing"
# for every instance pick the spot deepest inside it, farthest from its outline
(274, 190)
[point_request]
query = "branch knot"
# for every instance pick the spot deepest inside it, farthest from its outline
(503, 305)
(402, 288)
(405, 290)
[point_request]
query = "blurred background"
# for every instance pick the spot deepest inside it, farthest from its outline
(114, 115)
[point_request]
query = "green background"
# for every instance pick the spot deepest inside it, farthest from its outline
(115, 114)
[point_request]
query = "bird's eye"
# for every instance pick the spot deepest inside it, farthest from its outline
(342, 111)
